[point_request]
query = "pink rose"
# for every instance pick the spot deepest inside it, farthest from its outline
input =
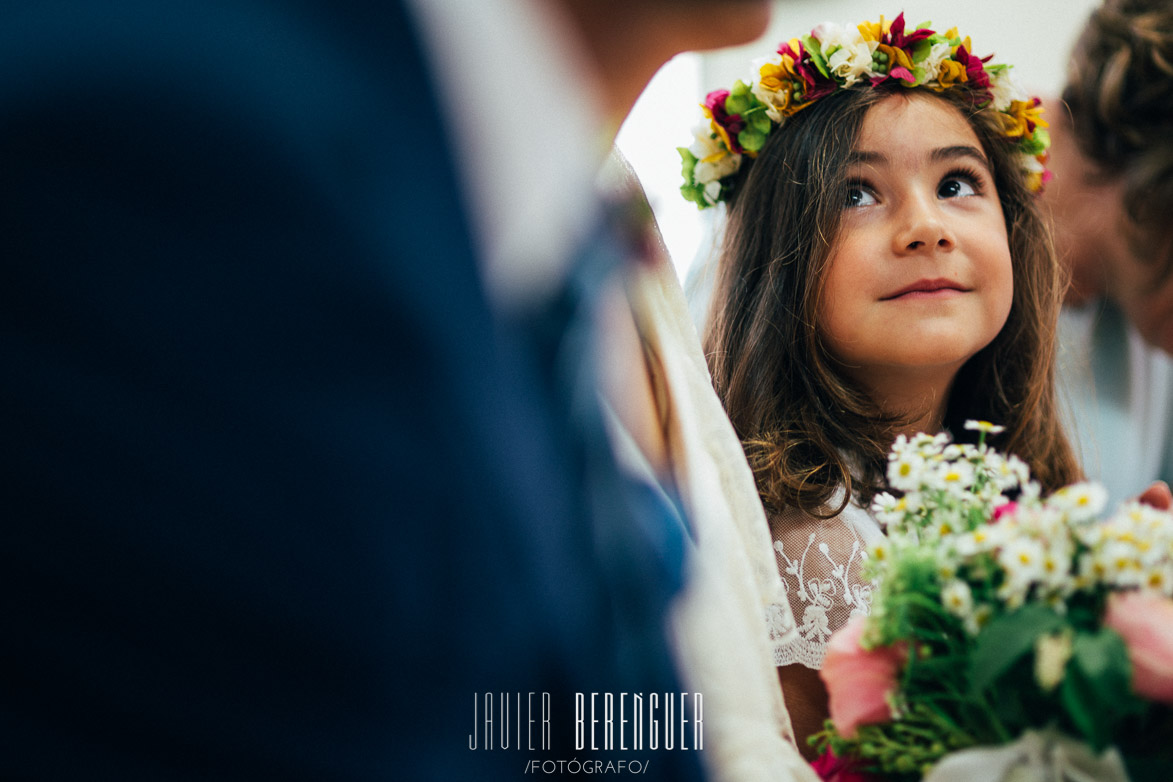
(859, 680)
(1145, 622)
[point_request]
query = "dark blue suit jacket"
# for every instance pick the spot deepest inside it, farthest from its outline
(280, 492)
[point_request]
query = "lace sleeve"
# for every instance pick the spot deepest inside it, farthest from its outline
(820, 562)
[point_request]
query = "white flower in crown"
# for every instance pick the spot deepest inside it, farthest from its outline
(713, 160)
(705, 143)
(832, 35)
(940, 52)
(1005, 90)
(713, 191)
(767, 96)
(1031, 164)
(711, 173)
(849, 56)
(852, 65)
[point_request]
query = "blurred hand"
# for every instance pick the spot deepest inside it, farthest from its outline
(1158, 496)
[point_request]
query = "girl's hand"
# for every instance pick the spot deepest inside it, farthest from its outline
(1158, 496)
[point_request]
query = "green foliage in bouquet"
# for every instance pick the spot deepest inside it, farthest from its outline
(998, 608)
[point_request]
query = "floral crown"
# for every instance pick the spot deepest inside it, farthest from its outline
(876, 54)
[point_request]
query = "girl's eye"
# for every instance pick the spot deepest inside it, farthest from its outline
(858, 195)
(958, 186)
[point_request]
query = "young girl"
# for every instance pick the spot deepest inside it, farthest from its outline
(884, 271)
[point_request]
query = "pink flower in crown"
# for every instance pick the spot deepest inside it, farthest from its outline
(895, 46)
(896, 36)
(791, 84)
(725, 124)
(814, 84)
(975, 70)
(901, 46)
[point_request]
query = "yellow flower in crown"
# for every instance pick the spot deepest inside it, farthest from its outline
(875, 31)
(957, 40)
(872, 55)
(779, 82)
(791, 84)
(1022, 118)
(781, 75)
(951, 73)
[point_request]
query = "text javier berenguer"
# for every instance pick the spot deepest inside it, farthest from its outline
(601, 721)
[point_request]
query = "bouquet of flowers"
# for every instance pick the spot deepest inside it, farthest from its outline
(1011, 635)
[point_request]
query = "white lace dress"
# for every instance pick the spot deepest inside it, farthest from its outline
(820, 562)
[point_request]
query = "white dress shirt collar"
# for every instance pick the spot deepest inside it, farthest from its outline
(524, 113)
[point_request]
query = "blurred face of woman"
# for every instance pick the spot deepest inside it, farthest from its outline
(919, 278)
(708, 24)
(1091, 229)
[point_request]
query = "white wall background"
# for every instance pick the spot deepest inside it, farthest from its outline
(1033, 35)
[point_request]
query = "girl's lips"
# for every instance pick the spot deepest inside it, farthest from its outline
(939, 293)
(928, 289)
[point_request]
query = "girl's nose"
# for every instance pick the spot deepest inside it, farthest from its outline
(922, 227)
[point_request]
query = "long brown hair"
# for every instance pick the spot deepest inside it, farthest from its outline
(806, 427)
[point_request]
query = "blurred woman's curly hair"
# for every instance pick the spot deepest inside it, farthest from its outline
(1120, 96)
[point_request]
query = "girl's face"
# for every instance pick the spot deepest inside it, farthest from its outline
(919, 278)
